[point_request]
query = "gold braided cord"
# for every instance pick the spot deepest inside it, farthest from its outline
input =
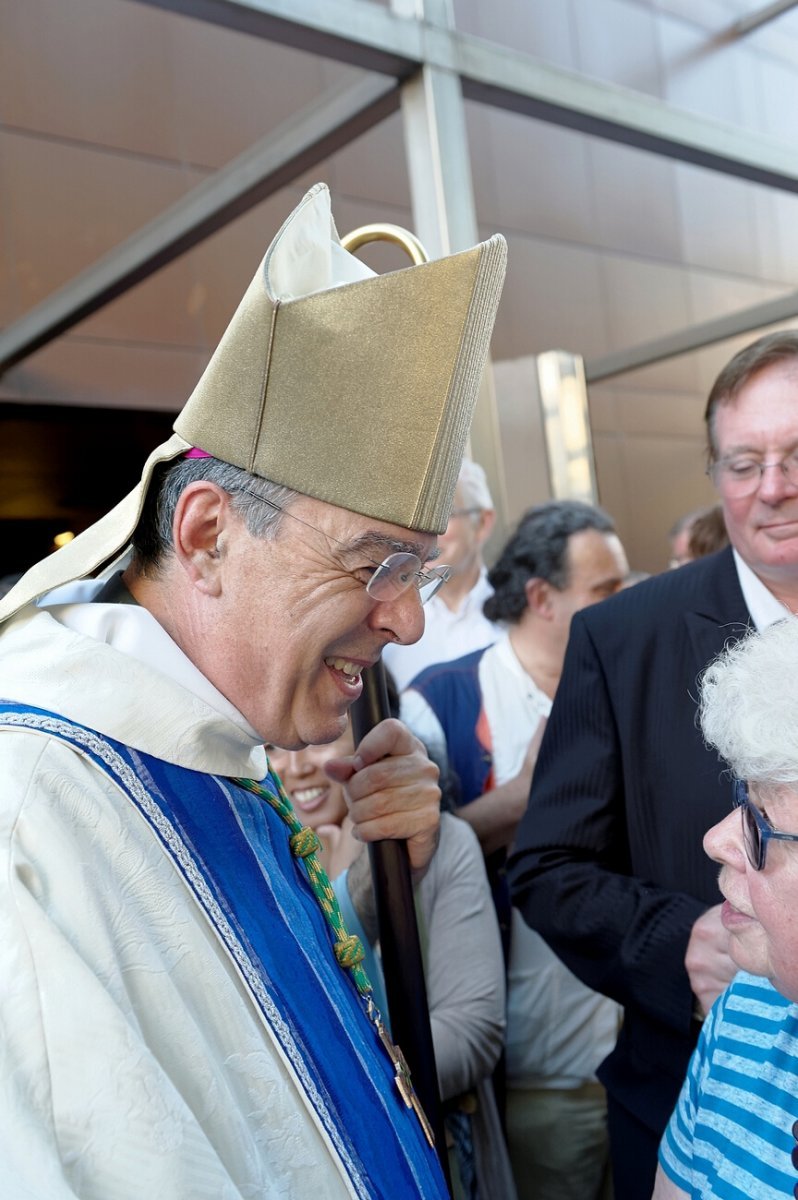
(305, 844)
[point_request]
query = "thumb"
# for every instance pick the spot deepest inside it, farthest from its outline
(341, 770)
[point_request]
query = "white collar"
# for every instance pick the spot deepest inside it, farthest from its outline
(764, 608)
(114, 669)
(133, 630)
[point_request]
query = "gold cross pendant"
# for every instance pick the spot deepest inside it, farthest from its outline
(402, 1077)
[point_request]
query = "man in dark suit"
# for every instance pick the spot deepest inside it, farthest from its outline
(608, 864)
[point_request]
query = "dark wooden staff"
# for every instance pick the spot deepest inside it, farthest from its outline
(400, 945)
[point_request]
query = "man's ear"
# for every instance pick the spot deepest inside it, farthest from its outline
(202, 515)
(487, 519)
(538, 598)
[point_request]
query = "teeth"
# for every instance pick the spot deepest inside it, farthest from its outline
(306, 795)
(343, 664)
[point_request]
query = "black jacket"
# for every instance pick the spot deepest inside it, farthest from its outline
(609, 865)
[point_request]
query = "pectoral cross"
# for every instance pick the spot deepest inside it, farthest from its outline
(402, 1076)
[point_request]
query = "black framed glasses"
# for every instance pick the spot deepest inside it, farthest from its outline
(757, 831)
(393, 576)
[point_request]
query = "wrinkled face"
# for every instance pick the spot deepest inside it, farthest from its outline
(317, 800)
(597, 568)
(760, 906)
(461, 544)
(294, 624)
(762, 423)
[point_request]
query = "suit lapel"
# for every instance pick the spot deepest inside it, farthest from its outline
(719, 615)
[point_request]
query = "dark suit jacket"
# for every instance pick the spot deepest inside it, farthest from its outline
(609, 865)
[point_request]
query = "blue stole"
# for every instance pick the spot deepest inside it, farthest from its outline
(231, 850)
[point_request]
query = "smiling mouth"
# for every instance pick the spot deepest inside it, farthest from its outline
(307, 798)
(350, 669)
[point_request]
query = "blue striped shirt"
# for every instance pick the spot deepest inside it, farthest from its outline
(730, 1136)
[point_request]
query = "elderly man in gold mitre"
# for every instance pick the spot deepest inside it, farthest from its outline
(182, 1014)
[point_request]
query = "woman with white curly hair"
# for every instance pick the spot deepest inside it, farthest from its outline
(733, 1132)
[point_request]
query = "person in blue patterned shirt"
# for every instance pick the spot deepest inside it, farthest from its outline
(731, 1133)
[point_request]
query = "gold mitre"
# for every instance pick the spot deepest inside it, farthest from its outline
(354, 388)
(357, 389)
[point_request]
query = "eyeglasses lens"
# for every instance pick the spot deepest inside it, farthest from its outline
(742, 477)
(399, 572)
(752, 837)
(393, 576)
(752, 834)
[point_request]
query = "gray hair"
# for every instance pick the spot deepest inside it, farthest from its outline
(474, 486)
(749, 704)
(152, 539)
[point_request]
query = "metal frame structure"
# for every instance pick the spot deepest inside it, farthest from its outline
(756, 20)
(415, 56)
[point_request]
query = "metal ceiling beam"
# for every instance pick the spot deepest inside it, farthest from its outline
(337, 117)
(756, 20)
(512, 81)
(358, 32)
(708, 333)
(370, 36)
(445, 216)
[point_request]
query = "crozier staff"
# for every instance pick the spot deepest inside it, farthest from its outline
(182, 1013)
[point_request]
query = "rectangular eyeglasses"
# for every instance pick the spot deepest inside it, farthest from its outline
(391, 577)
(757, 831)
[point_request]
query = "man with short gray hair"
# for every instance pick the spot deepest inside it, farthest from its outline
(455, 624)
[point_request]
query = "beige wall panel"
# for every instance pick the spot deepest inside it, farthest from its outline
(221, 267)
(778, 90)
(662, 478)
(9, 303)
(617, 41)
(530, 177)
(96, 70)
(680, 374)
(613, 491)
(107, 375)
(642, 300)
(552, 300)
(703, 79)
(654, 414)
(636, 203)
(351, 172)
(65, 206)
(708, 14)
(521, 435)
(777, 235)
(534, 27)
(230, 90)
(718, 219)
(715, 295)
(603, 407)
(150, 83)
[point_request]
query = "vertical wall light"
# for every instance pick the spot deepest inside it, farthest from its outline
(566, 426)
